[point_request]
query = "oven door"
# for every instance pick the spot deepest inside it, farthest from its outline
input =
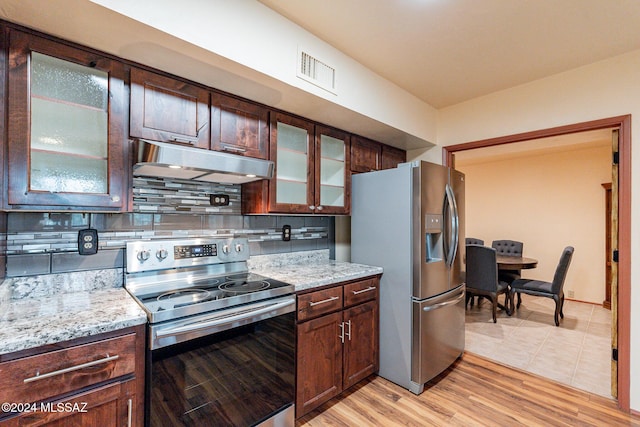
(238, 371)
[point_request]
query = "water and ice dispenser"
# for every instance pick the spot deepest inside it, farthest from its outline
(433, 238)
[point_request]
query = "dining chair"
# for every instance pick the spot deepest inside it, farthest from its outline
(482, 278)
(508, 248)
(541, 288)
(473, 241)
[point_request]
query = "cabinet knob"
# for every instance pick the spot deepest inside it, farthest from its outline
(312, 207)
(115, 198)
(319, 208)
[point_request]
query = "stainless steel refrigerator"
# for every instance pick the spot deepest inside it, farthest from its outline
(410, 221)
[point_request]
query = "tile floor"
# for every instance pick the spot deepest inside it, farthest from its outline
(576, 353)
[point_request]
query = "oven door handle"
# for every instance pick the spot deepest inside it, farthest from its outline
(224, 319)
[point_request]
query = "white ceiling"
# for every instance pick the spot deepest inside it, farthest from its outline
(449, 51)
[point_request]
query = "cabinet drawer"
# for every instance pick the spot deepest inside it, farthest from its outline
(318, 303)
(364, 290)
(50, 374)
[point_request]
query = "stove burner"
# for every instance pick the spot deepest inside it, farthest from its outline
(242, 286)
(196, 294)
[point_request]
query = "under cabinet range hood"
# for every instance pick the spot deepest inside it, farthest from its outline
(163, 160)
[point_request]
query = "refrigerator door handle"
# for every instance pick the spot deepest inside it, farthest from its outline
(451, 209)
(444, 304)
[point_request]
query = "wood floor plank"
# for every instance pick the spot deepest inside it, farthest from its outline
(473, 392)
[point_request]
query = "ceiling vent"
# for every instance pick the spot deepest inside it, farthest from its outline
(317, 72)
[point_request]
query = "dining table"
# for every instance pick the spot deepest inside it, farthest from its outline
(506, 262)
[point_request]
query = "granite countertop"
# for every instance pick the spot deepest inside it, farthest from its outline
(308, 270)
(40, 310)
(31, 316)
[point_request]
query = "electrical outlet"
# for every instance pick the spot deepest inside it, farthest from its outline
(570, 293)
(88, 241)
(286, 233)
(219, 199)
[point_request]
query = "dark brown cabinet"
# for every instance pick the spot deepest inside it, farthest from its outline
(368, 155)
(239, 127)
(65, 127)
(312, 173)
(365, 155)
(337, 341)
(391, 157)
(95, 382)
(169, 110)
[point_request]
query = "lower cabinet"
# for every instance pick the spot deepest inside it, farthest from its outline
(89, 382)
(337, 341)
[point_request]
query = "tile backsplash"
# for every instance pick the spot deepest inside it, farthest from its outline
(179, 196)
(43, 243)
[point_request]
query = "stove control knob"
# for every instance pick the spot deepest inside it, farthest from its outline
(161, 254)
(143, 255)
(226, 249)
(238, 247)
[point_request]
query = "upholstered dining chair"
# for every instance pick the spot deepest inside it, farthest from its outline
(541, 288)
(482, 278)
(473, 241)
(508, 248)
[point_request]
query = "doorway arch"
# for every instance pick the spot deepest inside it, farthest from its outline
(624, 223)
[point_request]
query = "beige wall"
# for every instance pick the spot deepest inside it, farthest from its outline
(547, 202)
(604, 89)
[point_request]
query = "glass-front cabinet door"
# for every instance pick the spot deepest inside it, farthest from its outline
(332, 171)
(291, 189)
(312, 167)
(65, 127)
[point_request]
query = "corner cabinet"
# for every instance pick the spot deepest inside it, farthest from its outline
(65, 128)
(337, 341)
(312, 170)
(87, 382)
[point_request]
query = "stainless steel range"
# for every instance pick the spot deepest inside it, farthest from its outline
(218, 335)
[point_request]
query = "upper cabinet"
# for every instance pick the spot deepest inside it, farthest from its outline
(239, 127)
(392, 156)
(169, 110)
(368, 155)
(332, 171)
(291, 190)
(312, 170)
(65, 127)
(365, 155)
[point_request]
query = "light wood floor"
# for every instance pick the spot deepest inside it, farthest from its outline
(473, 392)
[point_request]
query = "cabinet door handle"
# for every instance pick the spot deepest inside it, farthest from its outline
(129, 412)
(311, 303)
(348, 334)
(38, 377)
(234, 149)
(341, 335)
(183, 139)
(361, 291)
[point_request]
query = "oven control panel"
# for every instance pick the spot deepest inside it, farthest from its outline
(195, 251)
(145, 255)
